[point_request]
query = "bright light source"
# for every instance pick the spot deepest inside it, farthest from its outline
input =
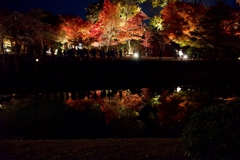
(185, 56)
(56, 50)
(135, 55)
(178, 89)
(80, 46)
(49, 51)
(8, 50)
(238, 58)
(180, 53)
(36, 59)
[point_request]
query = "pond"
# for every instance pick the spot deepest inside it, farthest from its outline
(108, 113)
(111, 99)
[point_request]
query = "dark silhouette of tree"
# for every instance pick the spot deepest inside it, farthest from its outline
(212, 29)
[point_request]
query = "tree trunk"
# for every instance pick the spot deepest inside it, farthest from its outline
(129, 45)
(108, 43)
(2, 49)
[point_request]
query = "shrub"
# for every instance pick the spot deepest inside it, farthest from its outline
(127, 125)
(213, 133)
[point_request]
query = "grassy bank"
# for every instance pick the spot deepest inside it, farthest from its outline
(89, 149)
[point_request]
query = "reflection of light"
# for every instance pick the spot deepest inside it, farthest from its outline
(185, 56)
(179, 89)
(56, 50)
(135, 55)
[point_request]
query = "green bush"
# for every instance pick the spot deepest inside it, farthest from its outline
(213, 133)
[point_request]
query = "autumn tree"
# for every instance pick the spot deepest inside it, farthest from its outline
(93, 11)
(174, 108)
(147, 39)
(160, 37)
(109, 23)
(177, 21)
(3, 32)
(21, 30)
(44, 29)
(72, 28)
(213, 29)
(155, 3)
(133, 29)
(128, 8)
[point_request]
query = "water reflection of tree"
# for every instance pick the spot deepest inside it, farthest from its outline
(162, 113)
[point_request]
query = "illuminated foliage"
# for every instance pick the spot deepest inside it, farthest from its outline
(119, 23)
(132, 101)
(72, 27)
(147, 39)
(113, 109)
(157, 22)
(132, 30)
(177, 21)
(128, 8)
(161, 3)
(2, 29)
(93, 11)
(79, 104)
(174, 108)
(109, 22)
(155, 3)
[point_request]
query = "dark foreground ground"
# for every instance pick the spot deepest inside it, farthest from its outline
(93, 149)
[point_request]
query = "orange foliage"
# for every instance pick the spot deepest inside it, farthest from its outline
(110, 108)
(132, 29)
(180, 19)
(132, 101)
(146, 41)
(174, 107)
(79, 104)
(71, 27)
(109, 22)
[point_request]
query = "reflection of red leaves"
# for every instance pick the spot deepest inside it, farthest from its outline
(79, 104)
(111, 108)
(132, 101)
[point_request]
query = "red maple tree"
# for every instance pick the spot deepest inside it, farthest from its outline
(132, 30)
(74, 29)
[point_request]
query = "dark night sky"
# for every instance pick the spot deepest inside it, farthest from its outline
(75, 7)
